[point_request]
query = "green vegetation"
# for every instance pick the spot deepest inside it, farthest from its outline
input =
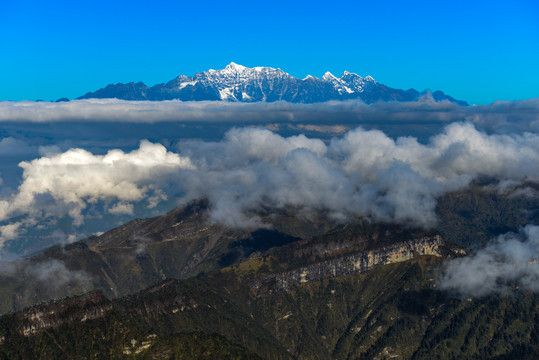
(187, 346)
(470, 218)
(242, 312)
(390, 311)
(144, 252)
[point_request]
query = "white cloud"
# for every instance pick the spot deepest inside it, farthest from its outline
(121, 208)
(56, 276)
(363, 173)
(52, 277)
(9, 232)
(509, 261)
(64, 183)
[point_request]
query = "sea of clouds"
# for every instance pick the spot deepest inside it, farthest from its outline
(501, 116)
(363, 172)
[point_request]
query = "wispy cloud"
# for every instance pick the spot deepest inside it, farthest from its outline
(50, 277)
(509, 261)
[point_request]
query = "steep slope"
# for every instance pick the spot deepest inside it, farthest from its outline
(472, 217)
(388, 310)
(242, 84)
(182, 244)
(143, 252)
(228, 299)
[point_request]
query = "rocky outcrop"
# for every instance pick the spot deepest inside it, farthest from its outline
(328, 259)
(38, 318)
(358, 262)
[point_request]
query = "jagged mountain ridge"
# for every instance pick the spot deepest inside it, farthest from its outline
(237, 83)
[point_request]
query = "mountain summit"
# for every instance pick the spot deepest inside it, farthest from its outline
(238, 83)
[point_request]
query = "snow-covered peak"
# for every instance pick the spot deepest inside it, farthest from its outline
(328, 76)
(235, 67)
(236, 82)
(348, 75)
(236, 78)
(182, 78)
(338, 84)
(245, 72)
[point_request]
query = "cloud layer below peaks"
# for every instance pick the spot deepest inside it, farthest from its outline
(363, 173)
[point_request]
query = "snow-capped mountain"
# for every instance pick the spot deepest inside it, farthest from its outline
(239, 83)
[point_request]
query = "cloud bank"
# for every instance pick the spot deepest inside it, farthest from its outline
(497, 117)
(64, 184)
(363, 173)
(51, 277)
(508, 262)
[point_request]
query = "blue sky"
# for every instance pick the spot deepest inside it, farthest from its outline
(479, 51)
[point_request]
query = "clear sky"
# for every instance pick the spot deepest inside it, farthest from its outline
(478, 51)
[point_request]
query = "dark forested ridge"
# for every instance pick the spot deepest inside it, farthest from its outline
(239, 312)
(309, 288)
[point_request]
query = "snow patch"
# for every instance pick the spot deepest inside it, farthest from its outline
(234, 66)
(227, 94)
(328, 76)
(187, 83)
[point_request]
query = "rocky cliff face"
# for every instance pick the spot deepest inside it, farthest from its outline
(359, 292)
(354, 290)
(72, 310)
(342, 260)
(359, 262)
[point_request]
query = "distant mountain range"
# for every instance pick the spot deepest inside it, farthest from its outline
(238, 83)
